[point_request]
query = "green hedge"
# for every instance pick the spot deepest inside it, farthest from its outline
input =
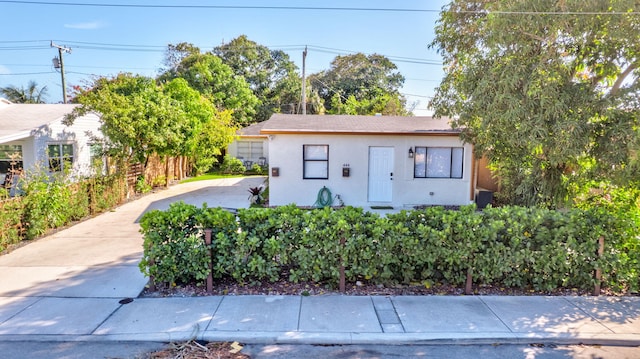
(520, 247)
(46, 204)
(11, 229)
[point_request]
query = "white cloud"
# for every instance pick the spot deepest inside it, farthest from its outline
(4, 70)
(85, 25)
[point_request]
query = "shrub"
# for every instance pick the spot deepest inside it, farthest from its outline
(174, 246)
(47, 202)
(174, 251)
(11, 211)
(142, 186)
(257, 169)
(232, 165)
(519, 247)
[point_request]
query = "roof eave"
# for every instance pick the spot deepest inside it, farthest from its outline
(16, 136)
(376, 133)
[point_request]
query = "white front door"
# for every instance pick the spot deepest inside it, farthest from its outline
(380, 174)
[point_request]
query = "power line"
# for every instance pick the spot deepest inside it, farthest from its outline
(316, 8)
(161, 48)
(412, 95)
(28, 73)
(230, 7)
(85, 67)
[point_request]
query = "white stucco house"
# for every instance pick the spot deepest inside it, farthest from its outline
(389, 161)
(250, 146)
(33, 136)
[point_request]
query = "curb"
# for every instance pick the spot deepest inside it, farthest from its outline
(299, 338)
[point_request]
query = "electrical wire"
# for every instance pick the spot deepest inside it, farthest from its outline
(229, 7)
(316, 8)
(27, 73)
(159, 48)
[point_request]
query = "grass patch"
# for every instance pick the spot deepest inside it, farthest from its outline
(218, 175)
(209, 176)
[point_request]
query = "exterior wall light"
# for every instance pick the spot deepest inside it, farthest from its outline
(410, 152)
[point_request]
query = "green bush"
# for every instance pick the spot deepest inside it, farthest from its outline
(106, 192)
(11, 212)
(174, 246)
(50, 201)
(47, 203)
(232, 165)
(257, 169)
(265, 242)
(142, 186)
(527, 248)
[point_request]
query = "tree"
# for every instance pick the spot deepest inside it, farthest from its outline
(31, 94)
(372, 80)
(137, 118)
(206, 130)
(216, 81)
(176, 53)
(271, 74)
(546, 89)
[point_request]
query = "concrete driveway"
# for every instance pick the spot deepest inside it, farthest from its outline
(98, 258)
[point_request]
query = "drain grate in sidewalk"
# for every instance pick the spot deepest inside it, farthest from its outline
(389, 320)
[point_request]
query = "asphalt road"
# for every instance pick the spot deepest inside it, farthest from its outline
(129, 350)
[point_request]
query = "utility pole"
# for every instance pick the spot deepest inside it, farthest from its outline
(58, 62)
(304, 82)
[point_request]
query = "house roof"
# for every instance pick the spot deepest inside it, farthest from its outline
(18, 120)
(251, 130)
(347, 124)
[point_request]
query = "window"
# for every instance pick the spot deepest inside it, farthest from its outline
(10, 158)
(60, 157)
(315, 160)
(250, 150)
(96, 158)
(438, 162)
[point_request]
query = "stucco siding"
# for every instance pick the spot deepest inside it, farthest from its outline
(285, 153)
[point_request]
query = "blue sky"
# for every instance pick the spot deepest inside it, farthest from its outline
(106, 40)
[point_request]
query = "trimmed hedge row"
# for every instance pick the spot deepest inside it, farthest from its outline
(508, 246)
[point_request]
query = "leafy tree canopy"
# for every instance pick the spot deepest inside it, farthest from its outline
(30, 94)
(547, 89)
(373, 81)
(140, 118)
(207, 74)
(176, 53)
(271, 74)
(137, 118)
(206, 131)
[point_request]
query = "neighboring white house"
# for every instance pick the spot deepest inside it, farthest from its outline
(32, 135)
(250, 146)
(368, 160)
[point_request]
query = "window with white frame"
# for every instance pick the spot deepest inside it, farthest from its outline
(250, 150)
(315, 160)
(60, 157)
(10, 158)
(438, 162)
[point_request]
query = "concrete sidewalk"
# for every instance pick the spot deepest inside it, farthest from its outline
(331, 319)
(69, 286)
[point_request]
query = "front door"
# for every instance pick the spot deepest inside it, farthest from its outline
(380, 174)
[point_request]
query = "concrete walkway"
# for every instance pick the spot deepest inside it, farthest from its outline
(69, 286)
